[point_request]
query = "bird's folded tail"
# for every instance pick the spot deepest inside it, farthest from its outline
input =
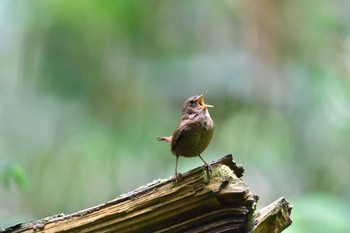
(165, 139)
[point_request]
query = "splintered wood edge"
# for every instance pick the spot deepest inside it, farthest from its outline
(219, 181)
(274, 217)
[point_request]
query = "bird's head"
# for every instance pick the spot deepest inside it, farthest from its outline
(195, 104)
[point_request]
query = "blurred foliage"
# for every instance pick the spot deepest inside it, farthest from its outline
(316, 213)
(87, 86)
(12, 172)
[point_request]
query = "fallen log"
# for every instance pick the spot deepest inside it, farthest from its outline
(218, 201)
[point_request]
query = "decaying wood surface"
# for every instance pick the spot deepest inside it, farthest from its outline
(199, 202)
(273, 218)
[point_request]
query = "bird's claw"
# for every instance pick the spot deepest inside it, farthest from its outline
(208, 167)
(176, 177)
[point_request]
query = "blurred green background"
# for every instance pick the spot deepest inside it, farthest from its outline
(87, 86)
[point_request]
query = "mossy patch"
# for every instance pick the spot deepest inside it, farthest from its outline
(219, 172)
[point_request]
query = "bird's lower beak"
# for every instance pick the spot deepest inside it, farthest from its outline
(202, 104)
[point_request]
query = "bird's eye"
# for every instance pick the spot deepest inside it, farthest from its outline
(192, 101)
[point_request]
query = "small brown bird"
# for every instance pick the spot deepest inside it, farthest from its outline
(194, 132)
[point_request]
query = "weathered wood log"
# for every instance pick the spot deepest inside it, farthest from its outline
(273, 218)
(218, 201)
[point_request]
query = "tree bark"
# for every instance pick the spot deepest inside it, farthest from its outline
(218, 201)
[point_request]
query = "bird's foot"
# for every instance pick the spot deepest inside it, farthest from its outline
(208, 167)
(176, 176)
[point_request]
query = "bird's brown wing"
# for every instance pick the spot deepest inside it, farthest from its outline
(185, 139)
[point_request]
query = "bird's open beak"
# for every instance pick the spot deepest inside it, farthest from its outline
(201, 102)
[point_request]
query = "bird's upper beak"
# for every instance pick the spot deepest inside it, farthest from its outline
(201, 102)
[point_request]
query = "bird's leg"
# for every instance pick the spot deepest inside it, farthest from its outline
(209, 167)
(175, 173)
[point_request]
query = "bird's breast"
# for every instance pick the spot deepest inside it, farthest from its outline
(206, 122)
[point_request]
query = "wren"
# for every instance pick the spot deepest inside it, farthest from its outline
(194, 132)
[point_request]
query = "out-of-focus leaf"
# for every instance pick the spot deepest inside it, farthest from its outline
(12, 172)
(18, 175)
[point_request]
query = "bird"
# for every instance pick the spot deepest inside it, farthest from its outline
(194, 131)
